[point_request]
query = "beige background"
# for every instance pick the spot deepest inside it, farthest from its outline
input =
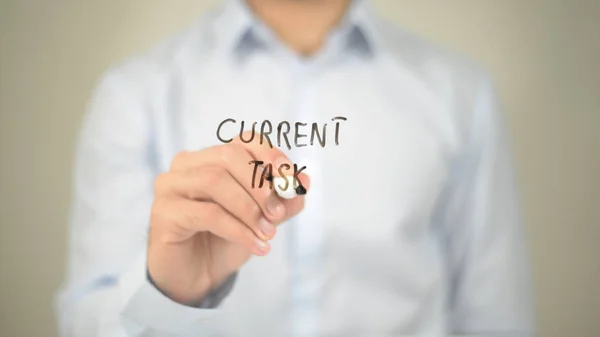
(545, 56)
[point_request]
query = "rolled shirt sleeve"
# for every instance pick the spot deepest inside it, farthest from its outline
(485, 246)
(106, 291)
(147, 308)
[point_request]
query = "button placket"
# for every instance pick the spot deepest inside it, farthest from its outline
(305, 232)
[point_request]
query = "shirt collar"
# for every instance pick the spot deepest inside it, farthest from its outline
(237, 28)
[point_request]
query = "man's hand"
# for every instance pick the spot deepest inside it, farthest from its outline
(207, 220)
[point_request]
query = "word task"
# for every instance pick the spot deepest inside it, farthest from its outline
(267, 174)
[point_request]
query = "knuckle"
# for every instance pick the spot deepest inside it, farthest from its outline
(212, 176)
(158, 206)
(196, 183)
(230, 152)
(252, 210)
(179, 159)
(210, 212)
(195, 217)
(160, 183)
(242, 235)
(159, 211)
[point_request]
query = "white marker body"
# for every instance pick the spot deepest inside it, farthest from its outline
(289, 192)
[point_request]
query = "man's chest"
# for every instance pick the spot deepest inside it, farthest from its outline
(378, 158)
(372, 141)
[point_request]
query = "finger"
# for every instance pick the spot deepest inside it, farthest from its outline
(277, 209)
(281, 166)
(237, 160)
(231, 152)
(191, 217)
(214, 183)
(241, 152)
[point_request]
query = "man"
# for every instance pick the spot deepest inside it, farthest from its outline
(409, 226)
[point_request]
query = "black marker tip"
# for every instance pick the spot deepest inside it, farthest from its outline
(300, 190)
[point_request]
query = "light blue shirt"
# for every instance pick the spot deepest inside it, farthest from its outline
(411, 225)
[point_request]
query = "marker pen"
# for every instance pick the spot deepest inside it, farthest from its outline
(290, 192)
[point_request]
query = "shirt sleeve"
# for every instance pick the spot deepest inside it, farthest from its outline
(106, 291)
(490, 287)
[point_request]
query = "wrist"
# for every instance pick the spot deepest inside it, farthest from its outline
(193, 298)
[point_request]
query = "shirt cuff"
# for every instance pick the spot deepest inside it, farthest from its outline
(146, 308)
(216, 296)
(213, 298)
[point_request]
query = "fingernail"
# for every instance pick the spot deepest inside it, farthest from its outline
(267, 228)
(275, 207)
(262, 246)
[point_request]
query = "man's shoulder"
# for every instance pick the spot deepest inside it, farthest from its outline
(430, 61)
(165, 57)
(452, 82)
